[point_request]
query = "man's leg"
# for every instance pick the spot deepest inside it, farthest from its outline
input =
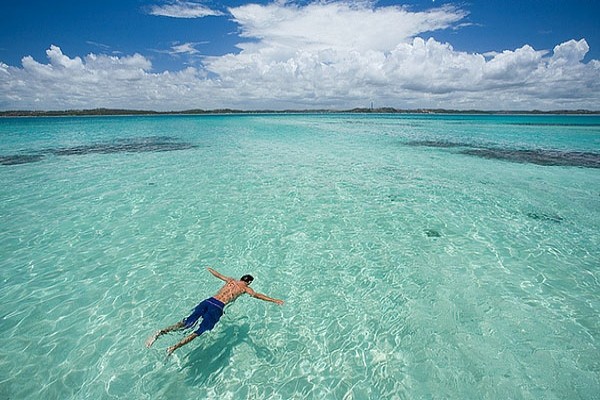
(187, 322)
(150, 341)
(209, 319)
(185, 341)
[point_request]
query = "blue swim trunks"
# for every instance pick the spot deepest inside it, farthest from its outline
(210, 310)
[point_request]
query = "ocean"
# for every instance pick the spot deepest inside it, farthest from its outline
(419, 256)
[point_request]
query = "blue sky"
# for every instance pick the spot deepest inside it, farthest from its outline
(260, 54)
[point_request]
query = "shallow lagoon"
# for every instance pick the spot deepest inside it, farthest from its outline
(409, 271)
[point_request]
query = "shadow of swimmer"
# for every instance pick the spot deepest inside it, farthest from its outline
(205, 362)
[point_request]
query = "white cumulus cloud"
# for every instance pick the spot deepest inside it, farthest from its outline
(96, 81)
(336, 55)
(342, 26)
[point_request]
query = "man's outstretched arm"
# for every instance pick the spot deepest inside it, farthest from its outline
(218, 275)
(263, 297)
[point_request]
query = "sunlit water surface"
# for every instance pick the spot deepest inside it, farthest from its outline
(427, 257)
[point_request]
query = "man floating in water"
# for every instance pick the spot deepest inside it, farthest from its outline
(211, 309)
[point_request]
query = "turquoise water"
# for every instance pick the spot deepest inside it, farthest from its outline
(420, 257)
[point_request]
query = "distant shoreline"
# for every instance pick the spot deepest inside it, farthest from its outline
(226, 111)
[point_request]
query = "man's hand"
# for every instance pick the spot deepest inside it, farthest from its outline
(279, 302)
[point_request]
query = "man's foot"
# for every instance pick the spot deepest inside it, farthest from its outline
(170, 350)
(150, 341)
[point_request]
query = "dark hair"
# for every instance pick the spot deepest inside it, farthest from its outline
(247, 278)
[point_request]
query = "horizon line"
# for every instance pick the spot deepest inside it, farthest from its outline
(357, 110)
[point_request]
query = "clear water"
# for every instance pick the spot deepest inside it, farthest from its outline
(409, 269)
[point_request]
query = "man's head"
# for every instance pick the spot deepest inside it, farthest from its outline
(247, 278)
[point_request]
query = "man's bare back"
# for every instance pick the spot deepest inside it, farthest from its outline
(231, 291)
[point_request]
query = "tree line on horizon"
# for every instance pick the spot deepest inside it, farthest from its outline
(381, 110)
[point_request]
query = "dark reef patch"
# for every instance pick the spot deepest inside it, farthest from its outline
(584, 125)
(432, 233)
(540, 157)
(437, 143)
(134, 145)
(544, 157)
(131, 145)
(17, 159)
(541, 216)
